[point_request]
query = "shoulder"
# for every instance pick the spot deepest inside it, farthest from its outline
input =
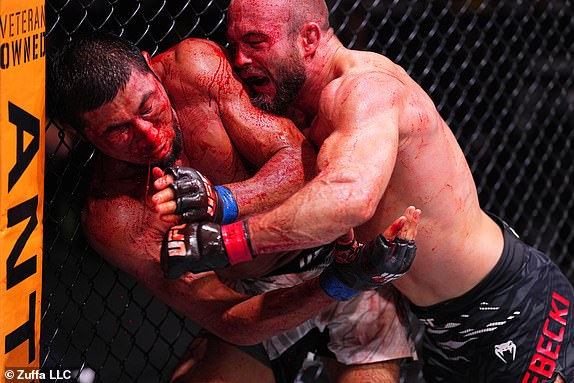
(197, 63)
(367, 73)
(200, 51)
(363, 89)
(191, 57)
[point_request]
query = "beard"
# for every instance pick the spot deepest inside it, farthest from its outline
(289, 80)
(176, 146)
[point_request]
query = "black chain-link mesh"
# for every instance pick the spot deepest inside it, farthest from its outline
(500, 72)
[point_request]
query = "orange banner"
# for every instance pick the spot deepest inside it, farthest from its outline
(22, 128)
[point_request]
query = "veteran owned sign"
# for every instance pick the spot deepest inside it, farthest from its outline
(22, 127)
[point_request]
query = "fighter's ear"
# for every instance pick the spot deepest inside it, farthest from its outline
(311, 35)
(147, 58)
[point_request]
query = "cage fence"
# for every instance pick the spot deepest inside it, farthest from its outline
(500, 72)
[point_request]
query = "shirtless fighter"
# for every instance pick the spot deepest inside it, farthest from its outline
(185, 107)
(494, 308)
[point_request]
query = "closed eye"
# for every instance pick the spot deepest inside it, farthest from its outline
(116, 129)
(146, 104)
(254, 39)
(146, 111)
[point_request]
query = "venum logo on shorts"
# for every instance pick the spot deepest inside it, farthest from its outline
(505, 350)
(543, 363)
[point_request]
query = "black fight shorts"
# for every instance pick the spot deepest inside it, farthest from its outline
(516, 325)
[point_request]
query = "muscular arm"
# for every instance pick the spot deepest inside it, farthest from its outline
(355, 164)
(284, 159)
(128, 235)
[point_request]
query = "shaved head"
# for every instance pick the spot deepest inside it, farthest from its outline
(293, 13)
(273, 44)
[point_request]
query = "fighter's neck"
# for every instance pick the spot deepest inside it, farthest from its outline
(322, 68)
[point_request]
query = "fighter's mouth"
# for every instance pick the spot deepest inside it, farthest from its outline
(254, 81)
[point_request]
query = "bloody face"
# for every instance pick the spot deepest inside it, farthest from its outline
(138, 126)
(288, 79)
(266, 57)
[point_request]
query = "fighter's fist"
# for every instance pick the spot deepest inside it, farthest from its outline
(187, 192)
(197, 247)
(359, 267)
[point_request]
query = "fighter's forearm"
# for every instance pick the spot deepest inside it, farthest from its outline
(273, 313)
(238, 318)
(322, 211)
(282, 175)
(204, 299)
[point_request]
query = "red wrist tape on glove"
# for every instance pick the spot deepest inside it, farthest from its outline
(236, 243)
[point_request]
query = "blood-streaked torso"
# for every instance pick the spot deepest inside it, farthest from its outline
(457, 242)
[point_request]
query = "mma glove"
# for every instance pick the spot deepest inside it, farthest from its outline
(358, 267)
(197, 247)
(198, 200)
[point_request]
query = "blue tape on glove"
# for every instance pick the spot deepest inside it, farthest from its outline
(230, 208)
(334, 288)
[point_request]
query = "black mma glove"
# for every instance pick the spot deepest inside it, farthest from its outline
(197, 247)
(359, 267)
(198, 200)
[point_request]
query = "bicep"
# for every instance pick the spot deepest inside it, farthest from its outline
(363, 140)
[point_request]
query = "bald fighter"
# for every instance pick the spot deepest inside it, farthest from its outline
(494, 308)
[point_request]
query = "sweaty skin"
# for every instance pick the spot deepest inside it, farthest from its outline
(383, 145)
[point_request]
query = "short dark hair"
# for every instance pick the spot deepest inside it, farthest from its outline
(87, 73)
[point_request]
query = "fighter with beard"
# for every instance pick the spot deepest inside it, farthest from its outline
(289, 77)
(480, 291)
(186, 110)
